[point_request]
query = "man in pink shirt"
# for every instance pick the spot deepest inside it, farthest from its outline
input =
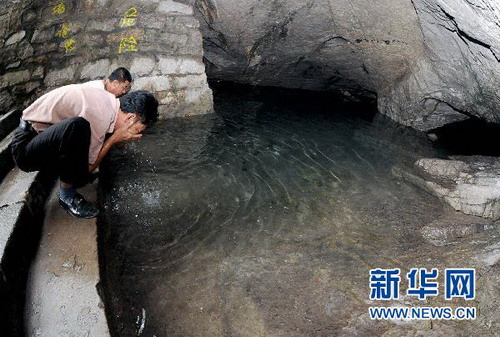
(65, 129)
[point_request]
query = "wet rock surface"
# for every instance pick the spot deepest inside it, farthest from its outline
(451, 230)
(266, 218)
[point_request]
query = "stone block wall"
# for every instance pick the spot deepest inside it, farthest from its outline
(46, 44)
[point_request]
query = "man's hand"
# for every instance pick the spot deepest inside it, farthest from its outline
(132, 131)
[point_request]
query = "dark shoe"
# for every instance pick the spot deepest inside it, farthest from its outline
(79, 207)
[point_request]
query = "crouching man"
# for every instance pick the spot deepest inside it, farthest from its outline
(64, 131)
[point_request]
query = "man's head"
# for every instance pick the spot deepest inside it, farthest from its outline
(137, 107)
(118, 82)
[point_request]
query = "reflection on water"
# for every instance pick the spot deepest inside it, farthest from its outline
(262, 219)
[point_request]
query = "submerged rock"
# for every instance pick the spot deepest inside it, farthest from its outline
(449, 230)
(490, 255)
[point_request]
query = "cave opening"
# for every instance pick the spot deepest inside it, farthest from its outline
(472, 136)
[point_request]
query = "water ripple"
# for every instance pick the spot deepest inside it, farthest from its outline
(209, 203)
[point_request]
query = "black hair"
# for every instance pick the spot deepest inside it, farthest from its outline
(121, 75)
(141, 102)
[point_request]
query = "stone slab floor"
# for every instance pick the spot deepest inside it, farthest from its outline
(62, 298)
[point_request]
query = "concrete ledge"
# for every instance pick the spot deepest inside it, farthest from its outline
(22, 197)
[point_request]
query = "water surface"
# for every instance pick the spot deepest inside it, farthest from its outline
(264, 219)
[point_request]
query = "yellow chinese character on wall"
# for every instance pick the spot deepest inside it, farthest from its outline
(127, 44)
(60, 8)
(129, 17)
(69, 45)
(64, 31)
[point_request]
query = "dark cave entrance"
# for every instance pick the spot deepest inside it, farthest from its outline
(470, 137)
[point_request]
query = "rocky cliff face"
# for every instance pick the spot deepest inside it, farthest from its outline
(460, 75)
(429, 62)
(354, 46)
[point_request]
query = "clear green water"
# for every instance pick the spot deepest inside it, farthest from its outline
(262, 219)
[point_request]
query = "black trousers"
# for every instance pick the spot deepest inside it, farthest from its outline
(62, 148)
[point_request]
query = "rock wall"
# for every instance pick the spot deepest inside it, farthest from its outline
(429, 62)
(460, 75)
(352, 46)
(49, 44)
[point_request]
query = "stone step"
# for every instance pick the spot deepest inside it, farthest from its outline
(22, 199)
